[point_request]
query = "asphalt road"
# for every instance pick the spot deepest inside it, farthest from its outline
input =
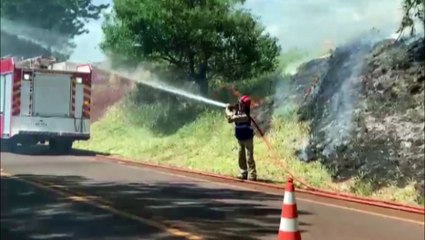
(77, 197)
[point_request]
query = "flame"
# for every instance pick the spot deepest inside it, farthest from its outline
(328, 44)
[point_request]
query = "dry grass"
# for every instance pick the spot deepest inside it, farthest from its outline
(208, 145)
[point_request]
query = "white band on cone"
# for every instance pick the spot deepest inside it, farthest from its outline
(288, 225)
(289, 198)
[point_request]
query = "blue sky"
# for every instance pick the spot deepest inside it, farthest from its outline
(304, 24)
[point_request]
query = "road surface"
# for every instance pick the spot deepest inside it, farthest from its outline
(78, 197)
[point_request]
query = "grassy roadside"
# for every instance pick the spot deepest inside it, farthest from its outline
(207, 144)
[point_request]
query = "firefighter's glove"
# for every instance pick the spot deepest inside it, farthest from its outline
(229, 107)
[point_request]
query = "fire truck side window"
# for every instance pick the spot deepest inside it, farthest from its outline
(2, 92)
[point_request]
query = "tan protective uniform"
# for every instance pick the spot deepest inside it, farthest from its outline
(246, 148)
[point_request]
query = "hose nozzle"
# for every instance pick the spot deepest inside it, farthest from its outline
(233, 107)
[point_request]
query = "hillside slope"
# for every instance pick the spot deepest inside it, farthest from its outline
(358, 111)
(365, 104)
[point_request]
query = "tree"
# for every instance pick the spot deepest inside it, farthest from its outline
(412, 9)
(47, 27)
(205, 38)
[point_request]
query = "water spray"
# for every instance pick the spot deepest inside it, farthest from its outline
(170, 89)
(167, 88)
(180, 92)
(164, 87)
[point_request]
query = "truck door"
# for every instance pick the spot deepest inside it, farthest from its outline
(51, 95)
(2, 93)
(6, 104)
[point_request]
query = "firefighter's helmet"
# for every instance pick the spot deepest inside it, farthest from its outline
(245, 100)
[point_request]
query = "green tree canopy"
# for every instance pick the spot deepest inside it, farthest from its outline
(47, 26)
(413, 9)
(206, 38)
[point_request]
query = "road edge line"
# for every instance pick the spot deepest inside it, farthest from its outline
(302, 199)
(335, 196)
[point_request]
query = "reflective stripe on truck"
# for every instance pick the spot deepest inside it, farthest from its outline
(16, 97)
(45, 103)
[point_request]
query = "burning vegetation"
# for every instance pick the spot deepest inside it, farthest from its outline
(365, 106)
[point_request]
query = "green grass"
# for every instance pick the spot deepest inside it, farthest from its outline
(149, 126)
(207, 144)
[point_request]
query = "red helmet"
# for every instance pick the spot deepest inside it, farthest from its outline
(245, 100)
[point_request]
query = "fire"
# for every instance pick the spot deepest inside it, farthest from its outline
(328, 44)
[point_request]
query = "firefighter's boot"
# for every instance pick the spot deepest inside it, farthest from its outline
(243, 176)
(252, 178)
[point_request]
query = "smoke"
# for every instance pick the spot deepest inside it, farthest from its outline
(326, 87)
(334, 98)
(47, 39)
(141, 75)
(316, 25)
(344, 101)
(313, 25)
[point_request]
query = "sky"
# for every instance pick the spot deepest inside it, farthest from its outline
(303, 24)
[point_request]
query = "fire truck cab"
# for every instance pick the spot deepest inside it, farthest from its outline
(43, 101)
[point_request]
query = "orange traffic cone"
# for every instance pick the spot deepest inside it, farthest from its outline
(288, 229)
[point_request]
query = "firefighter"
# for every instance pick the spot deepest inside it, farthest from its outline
(244, 133)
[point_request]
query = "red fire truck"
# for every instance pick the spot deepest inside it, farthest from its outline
(44, 101)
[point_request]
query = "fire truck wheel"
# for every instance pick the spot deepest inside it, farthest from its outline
(11, 145)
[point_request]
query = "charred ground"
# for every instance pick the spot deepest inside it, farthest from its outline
(365, 105)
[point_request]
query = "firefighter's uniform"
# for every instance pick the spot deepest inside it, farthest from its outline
(245, 136)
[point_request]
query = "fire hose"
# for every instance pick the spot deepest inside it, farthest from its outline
(271, 149)
(285, 167)
(337, 195)
(321, 192)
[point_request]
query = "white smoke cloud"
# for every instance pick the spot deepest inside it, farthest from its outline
(306, 24)
(42, 37)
